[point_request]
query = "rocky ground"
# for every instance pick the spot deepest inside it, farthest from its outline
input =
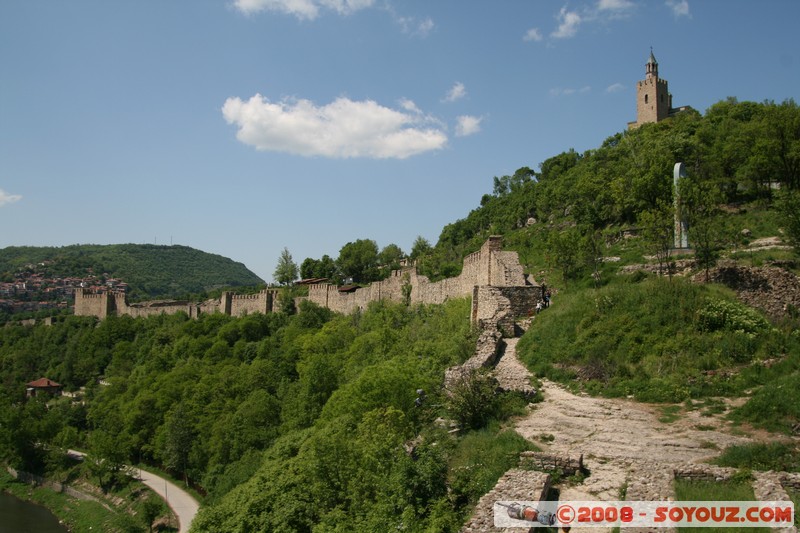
(628, 451)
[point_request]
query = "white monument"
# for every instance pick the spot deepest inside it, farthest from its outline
(681, 241)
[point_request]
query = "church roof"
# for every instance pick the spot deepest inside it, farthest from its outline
(652, 59)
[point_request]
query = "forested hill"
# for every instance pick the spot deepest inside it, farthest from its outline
(149, 270)
(736, 153)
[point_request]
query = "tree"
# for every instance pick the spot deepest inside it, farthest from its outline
(152, 508)
(389, 259)
(789, 208)
(508, 184)
(472, 400)
(784, 128)
(359, 260)
(318, 268)
(420, 247)
(708, 232)
(107, 455)
(564, 248)
(592, 247)
(286, 271)
(391, 255)
(177, 437)
(657, 232)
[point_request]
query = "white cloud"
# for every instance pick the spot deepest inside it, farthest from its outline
(568, 22)
(532, 34)
(412, 26)
(6, 198)
(410, 106)
(615, 88)
(457, 92)
(467, 125)
(614, 5)
(341, 129)
(425, 27)
(558, 91)
(302, 9)
(680, 8)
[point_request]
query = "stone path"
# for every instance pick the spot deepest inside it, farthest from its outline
(627, 450)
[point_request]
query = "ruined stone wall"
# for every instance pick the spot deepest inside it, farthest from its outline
(502, 305)
(151, 308)
(548, 462)
(488, 266)
(774, 290)
(515, 485)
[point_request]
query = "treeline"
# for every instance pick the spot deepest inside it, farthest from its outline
(736, 152)
(150, 271)
(330, 418)
(359, 261)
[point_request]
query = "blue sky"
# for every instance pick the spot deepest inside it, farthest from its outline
(240, 127)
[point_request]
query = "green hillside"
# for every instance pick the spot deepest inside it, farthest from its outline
(743, 158)
(314, 421)
(151, 271)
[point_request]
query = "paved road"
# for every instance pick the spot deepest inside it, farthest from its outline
(181, 502)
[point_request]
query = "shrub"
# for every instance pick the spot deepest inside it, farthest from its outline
(732, 316)
(472, 400)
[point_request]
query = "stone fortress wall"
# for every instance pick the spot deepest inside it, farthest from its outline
(103, 304)
(493, 278)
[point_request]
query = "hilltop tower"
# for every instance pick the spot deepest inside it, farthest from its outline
(653, 101)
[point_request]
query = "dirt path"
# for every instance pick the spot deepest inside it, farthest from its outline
(621, 441)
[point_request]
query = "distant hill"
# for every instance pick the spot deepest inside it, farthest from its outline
(149, 270)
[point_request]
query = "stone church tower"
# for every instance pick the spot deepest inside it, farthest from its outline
(653, 101)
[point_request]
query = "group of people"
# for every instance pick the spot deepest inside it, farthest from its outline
(545, 303)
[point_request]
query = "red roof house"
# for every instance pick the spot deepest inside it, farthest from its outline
(42, 385)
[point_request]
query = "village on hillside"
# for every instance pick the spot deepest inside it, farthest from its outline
(32, 288)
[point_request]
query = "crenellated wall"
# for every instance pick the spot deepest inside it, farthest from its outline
(242, 304)
(93, 304)
(103, 304)
(492, 277)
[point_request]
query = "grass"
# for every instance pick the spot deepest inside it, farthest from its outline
(776, 405)
(777, 456)
(669, 342)
(669, 414)
(480, 458)
(78, 515)
(735, 490)
(794, 495)
(710, 406)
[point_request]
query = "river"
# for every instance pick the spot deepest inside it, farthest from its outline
(19, 516)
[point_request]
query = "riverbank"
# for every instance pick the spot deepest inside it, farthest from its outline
(118, 511)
